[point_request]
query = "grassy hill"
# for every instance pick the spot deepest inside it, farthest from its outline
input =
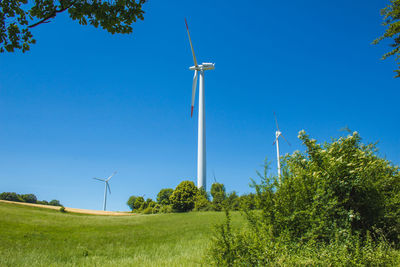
(32, 236)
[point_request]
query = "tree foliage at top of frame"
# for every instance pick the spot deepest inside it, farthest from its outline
(391, 19)
(18, 17)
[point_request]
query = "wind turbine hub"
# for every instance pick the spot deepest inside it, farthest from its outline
(204, 66)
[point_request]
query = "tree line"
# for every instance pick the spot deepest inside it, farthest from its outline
(187, 197)
(27, 198)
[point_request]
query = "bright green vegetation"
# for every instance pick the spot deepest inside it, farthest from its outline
(336, 204)
(40, 237)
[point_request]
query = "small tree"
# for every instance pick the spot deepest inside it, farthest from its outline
(139, 203)
(131, 202)
(163, 196)
(183, 197)
(218, 194)
(55, 202)
(29, 198)
(232, 201)
(202, 202)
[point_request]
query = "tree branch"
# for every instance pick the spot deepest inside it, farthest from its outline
(52, 15)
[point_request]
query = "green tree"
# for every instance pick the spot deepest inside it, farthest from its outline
(10, 196)
(55, 202)
(232, 201)
(183, 197)
(391, 19)
(202, 202)
(163, 196)
(29, 198)
(248, 201)
(139, 203)
(131, 202)
(18, 17)
(218, 194)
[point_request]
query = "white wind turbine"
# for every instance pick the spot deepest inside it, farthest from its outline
(105, 189)
(278, 133)
(201, 143)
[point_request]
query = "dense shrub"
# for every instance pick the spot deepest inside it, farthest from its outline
(55, 202)
(232, 201)
(29, 198)
(148, 210)
(218, 194)
(183, 197)
(10, 196)
(139, 203)
(165, 209)
(337, 200)
(131, 202)
(248, 201)
(260, 247)
(163, 196)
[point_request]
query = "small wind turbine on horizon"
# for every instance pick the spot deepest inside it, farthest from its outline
(278, 133)
(107, 186)
(201, 142)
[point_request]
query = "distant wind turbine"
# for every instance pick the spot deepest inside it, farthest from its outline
(107, 186)
(201, 143)
(278, 133)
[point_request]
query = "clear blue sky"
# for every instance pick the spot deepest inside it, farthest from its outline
(84, 103)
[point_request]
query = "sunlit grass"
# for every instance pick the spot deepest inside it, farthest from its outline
(40, 237)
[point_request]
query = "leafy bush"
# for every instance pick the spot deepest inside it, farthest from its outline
(10, 196)
(183, 197)
(166, 209)
(218, 194)
(248, 201)
(131, 202)
(62, 209)
(259, 247)
(150, 203)
(202, 203)
(29, 198)
(139, 203)
(163, 196)
(148, 210)
(337, 202)
(232, 201)
(55, 202)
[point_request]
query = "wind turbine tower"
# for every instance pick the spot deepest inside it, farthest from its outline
(278, 134)
(106, 186)
(201, 142)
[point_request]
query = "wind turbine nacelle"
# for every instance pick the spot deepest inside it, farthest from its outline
(204, 66)
(208, 66)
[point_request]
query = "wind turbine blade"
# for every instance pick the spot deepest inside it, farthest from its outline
(194, 91)
(108, 186)
(276, 121)
(108, 179)
(191, 45)
(99, 179)
(285, 139)
(274, 141)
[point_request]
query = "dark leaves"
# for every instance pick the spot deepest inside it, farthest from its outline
(17, 17)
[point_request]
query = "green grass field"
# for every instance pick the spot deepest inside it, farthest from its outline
(39, 237)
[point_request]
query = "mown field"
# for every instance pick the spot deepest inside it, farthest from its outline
(40, 237)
